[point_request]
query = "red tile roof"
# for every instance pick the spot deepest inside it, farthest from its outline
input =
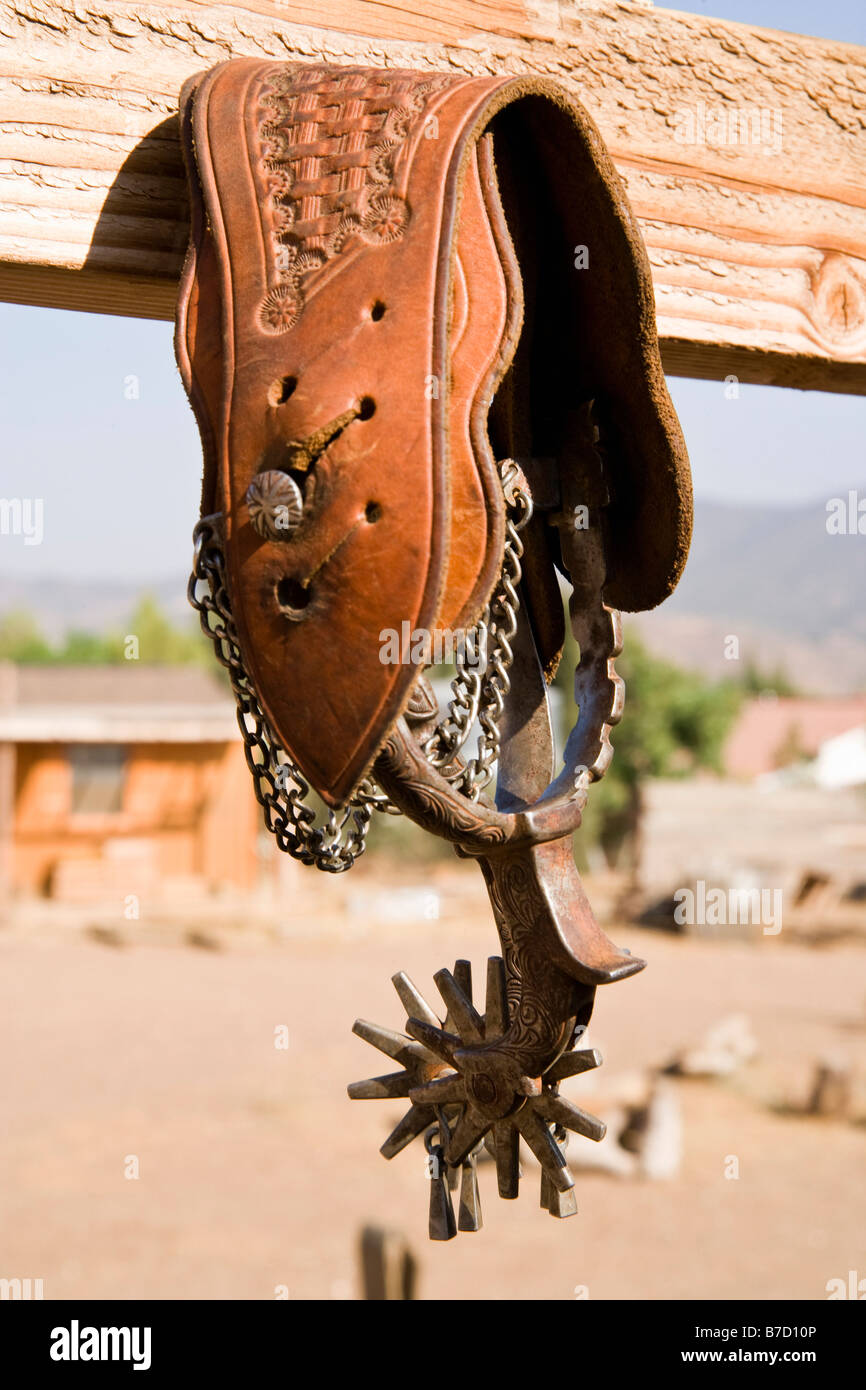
(767, 727)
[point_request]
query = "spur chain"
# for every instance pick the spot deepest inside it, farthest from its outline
(279, 786)
(474, 697)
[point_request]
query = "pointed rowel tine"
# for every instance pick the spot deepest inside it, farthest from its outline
(545, 1148)
(469, 1212)
(434, 1040)
(561, 1112)
(413, 1001)
(573, 1063)
(562, 1204)
(559, 1204)
(507, 1159)
(547, 1191)
(496, 1001)
(462, 973)
(396, 1083)
(441, 1224)
(467, 1022)
(447, 1090)
(412, 1124)
(395, 1045)
(469, 1130)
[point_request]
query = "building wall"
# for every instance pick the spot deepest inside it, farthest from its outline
(721, 831)
(188, 811)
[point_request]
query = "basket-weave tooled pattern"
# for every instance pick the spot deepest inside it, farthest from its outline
(333, 151)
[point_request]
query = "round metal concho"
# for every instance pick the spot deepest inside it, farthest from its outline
(275, 504)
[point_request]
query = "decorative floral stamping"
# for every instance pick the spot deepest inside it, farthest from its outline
(333, 150)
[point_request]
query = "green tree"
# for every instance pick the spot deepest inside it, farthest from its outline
(754, 682)
(160, 643)
(21, 639)
(85, 649)
(675, 723)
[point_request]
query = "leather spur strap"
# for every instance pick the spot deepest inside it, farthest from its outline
(416, 326)
(368, 249)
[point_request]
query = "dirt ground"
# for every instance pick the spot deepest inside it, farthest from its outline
(256, 1171)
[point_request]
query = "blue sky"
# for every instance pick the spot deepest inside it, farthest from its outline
(120, 476)
(831, 19)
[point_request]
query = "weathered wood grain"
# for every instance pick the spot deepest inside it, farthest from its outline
(757, 239)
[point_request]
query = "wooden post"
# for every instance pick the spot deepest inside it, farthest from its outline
(388, 1269)
(743, 151)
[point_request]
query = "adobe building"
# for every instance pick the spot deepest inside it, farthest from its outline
(122, 780)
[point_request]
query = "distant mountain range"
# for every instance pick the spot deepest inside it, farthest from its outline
(90, 605)
(779, 566)
(791, 593)
(775, 578)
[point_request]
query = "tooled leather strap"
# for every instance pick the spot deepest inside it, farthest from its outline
(368, 249)
(358, 320)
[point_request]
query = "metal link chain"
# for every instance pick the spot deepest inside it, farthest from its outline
(474, 697)
(278, 783)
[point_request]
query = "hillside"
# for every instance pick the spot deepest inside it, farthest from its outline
(771, 576)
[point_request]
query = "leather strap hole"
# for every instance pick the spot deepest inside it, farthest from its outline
(373, 512)
(292, 597)
(281, 389)
(367, 408)
(377, 312)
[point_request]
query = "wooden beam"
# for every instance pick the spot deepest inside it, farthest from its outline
(743, 149)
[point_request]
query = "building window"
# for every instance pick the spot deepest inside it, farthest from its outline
(98, 776)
